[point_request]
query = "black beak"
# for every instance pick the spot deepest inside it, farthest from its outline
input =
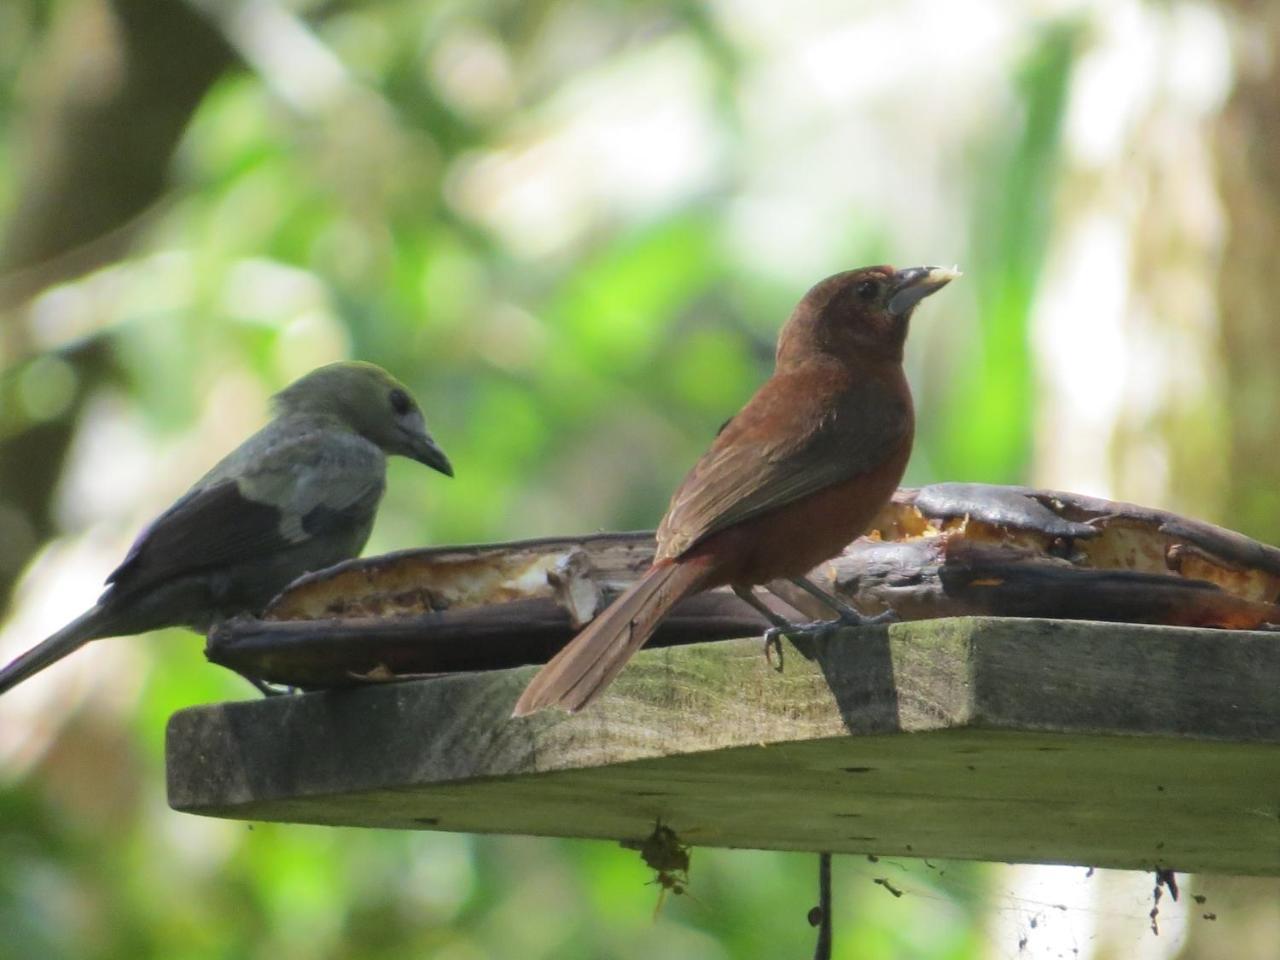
(424, 450)
(913, 284)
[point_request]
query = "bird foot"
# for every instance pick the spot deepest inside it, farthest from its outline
(862, 620)
(818, 629)
(849, 617)
(268, 689)
(815, 629)
(802, 634)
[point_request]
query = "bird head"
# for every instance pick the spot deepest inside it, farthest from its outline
(860, 313)
(371, 402)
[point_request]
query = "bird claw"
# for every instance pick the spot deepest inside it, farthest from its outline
(816, 629)
(852, 617)
(799, 634)
(821, 629)
(863, 620)
(773, 644)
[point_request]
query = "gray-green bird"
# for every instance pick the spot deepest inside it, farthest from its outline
(299, 495)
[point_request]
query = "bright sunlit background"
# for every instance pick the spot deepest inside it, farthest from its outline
(575, 228)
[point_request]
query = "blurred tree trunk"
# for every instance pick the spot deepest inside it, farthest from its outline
(1248, 155)
(120, 80)
(1247, 152)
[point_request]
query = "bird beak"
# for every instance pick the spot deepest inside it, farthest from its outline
(424, 449)
(912, 285)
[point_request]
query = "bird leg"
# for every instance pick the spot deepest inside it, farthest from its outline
(772, 636)
(847, 615)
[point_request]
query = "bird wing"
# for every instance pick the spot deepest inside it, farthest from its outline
(282, 488)
(802, 432)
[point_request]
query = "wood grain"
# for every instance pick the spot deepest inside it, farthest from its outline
(994, 739)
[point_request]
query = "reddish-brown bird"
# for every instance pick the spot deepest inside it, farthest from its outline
(800, 471)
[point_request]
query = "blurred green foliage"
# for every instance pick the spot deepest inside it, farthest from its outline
(994, 383)
(573, 366)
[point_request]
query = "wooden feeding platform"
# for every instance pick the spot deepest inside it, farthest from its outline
(952, 734)
(1125, 746)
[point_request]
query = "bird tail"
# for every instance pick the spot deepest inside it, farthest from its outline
(580, 672)
(88, 626)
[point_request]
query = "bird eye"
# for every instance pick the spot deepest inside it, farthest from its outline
(867, 290)
(400, 402)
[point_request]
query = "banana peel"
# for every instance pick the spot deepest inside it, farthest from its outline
(950, 549)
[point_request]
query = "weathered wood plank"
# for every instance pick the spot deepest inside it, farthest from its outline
(1025, 740)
